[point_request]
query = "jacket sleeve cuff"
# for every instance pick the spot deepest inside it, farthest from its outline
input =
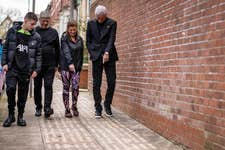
(106, 51)
(37, 70)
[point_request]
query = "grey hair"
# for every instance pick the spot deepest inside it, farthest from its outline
(100, 10)
(44, 14)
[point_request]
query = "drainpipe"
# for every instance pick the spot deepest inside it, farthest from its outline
(31, 85)
(73, 6)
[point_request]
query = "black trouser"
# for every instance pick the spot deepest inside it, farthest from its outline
(47, 73)
(110, 70)
(12, 79)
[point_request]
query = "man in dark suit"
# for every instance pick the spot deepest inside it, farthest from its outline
(101, 36)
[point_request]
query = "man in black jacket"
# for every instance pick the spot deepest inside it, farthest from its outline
(50, 60)
(101, 35)
(21, 60)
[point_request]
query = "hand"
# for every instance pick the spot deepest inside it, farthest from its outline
(5, 68)
(34, 74)
(71, 67)
(105, 57)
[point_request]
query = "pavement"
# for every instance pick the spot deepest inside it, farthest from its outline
(119, 132)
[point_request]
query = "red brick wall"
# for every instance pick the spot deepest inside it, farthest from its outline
(171, 72)
(56, 7)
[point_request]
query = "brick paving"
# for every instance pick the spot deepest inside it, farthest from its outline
(84, 132)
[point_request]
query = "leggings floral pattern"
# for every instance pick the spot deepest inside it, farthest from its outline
(68, 78)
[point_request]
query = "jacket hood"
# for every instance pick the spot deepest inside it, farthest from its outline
(18, 27)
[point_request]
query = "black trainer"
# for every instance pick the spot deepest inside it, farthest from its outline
(98, 114)
(21, 121)
(49, 112)
(38, 113)
(75, 111)
(108, 111)
(68, 113)
(9, 120)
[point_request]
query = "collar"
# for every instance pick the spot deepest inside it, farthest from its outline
(24, 31)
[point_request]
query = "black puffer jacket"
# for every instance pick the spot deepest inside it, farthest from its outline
(71, 53)
(9, 49)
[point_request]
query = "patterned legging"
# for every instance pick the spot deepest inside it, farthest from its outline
(73, 78)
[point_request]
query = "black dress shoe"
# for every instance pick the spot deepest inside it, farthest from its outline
(21, 121)
(38, 113)
(49, 112)
(9, 121)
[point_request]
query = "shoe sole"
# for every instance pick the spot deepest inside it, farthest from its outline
(69, 116)
(108, 115)
(21, 125)
(98, 117)
(37, 115)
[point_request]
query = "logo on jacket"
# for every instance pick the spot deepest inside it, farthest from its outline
(22, 48)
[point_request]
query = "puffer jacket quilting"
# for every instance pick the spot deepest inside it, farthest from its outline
(9, 49)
